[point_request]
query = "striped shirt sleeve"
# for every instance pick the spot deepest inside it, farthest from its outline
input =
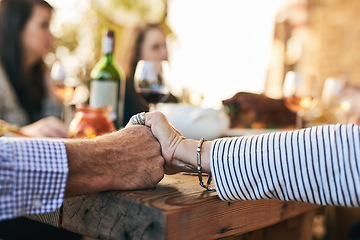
(33, 174)
(317, 165)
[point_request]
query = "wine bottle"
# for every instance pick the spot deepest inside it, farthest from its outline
(107, 84)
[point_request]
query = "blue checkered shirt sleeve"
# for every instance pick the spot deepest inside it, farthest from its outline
(33, 174)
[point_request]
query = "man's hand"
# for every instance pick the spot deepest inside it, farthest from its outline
(124, 160)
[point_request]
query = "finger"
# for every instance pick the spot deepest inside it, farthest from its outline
(152, 118)
(131, 121)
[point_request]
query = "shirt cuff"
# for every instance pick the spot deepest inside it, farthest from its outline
(40, 174)
(214, 166)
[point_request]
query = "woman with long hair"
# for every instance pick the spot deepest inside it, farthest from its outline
(25, 86)
(148, 43)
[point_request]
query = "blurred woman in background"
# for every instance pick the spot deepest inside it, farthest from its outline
(149, 43)
(25, 90)
(26, 95)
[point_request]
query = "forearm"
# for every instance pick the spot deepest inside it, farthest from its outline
(87, 173)
(318, 165)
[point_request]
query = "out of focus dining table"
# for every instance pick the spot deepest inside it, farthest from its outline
(178, 208)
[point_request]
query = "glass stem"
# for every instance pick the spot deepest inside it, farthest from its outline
(66, 113)
(62, 114)
(299, 120)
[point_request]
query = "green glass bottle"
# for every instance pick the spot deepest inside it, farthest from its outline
(107, 85)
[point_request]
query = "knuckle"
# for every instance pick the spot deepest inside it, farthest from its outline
(146, 129)
(157, 176)
(161, 161)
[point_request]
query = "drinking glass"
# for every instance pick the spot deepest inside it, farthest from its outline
(63, 86)
(335, 99)
(300, 94)
(151, 81)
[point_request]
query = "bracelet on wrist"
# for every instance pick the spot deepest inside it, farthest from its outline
(198, 159)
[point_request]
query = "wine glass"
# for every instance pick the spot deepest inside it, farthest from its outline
(335, 99)
(151, 81)
(300, 94)
(63, 86)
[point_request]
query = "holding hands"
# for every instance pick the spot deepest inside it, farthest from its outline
(131, 158)
(150, 146)
(179, 153)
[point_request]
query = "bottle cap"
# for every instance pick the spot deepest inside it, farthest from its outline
(110, 34)
(108, 42)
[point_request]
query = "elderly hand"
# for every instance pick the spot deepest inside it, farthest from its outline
(124, 160)
(46, 127)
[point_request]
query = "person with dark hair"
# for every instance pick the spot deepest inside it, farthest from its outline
(25, 84)
(148, 43)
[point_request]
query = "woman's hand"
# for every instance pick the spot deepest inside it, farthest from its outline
(170, 139)
(46, 127)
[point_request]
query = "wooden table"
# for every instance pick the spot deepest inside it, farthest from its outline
(177, 208)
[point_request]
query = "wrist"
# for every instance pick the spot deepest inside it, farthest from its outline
(85, 174)
(186, 152)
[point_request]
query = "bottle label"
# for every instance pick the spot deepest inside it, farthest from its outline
(108, 45)
(105, 93)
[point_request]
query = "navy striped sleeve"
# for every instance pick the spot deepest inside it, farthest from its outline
(318, 165)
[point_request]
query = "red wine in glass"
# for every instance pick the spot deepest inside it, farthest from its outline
(153, 97)
(151, 81)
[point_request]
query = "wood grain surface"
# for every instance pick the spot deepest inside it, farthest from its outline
(177, 208)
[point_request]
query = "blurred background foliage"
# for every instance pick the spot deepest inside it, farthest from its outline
(78, 43)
